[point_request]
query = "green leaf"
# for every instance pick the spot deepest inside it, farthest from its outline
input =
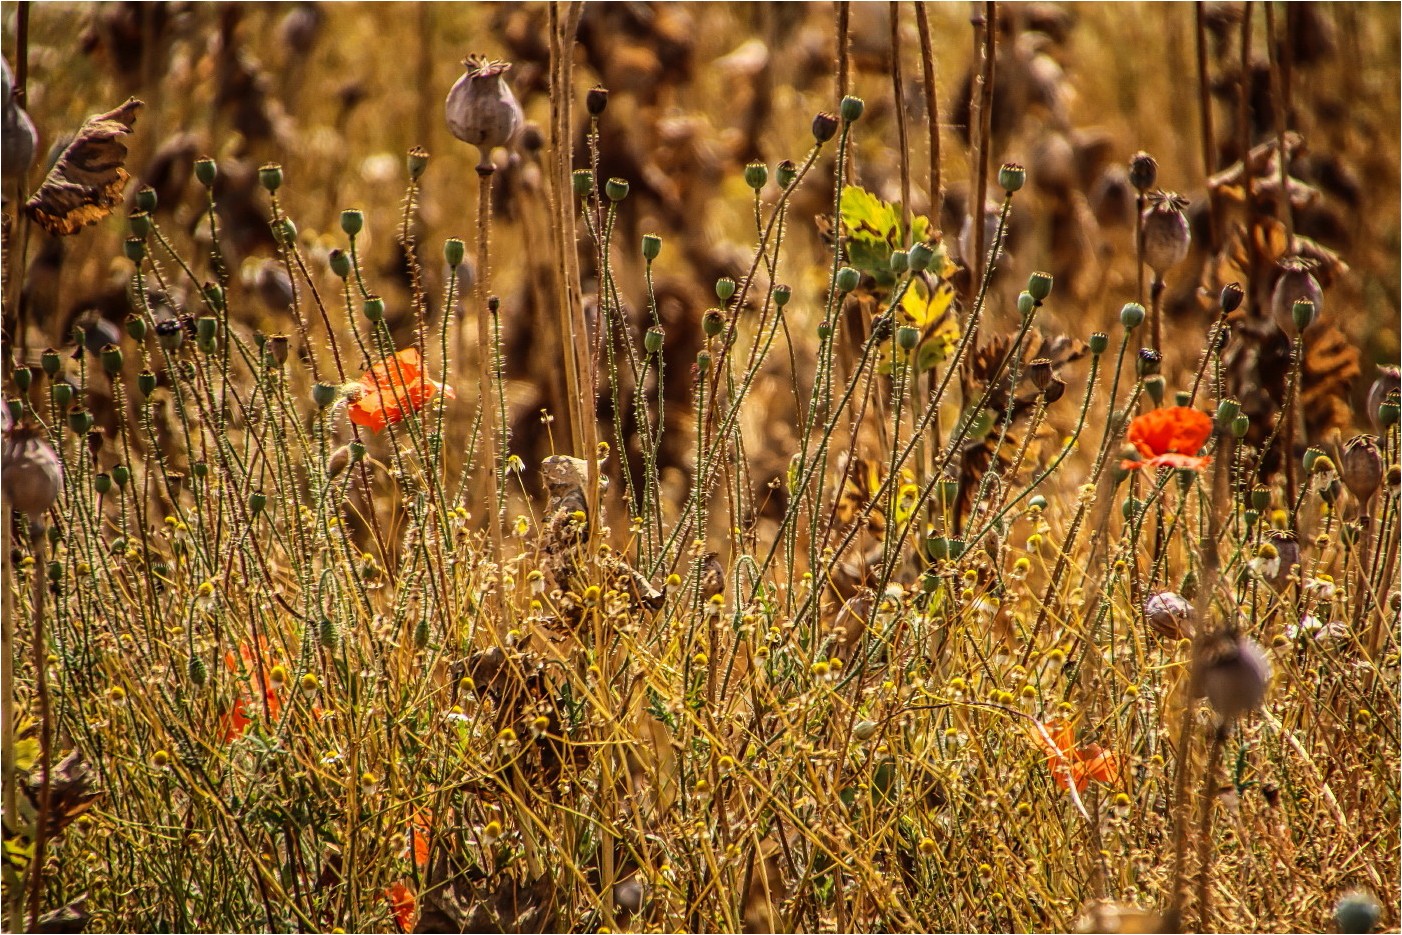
(872, 230)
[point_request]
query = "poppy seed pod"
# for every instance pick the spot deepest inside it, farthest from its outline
(1054, 391)
(1357, 913)
(785, 173)
(756, 174)
(847, 279)
(1011, 177)
(32, 474)
(1231, 297)
(481, 109)
(205, 171)
(416, 162)
(652, 247)
(340, 263)
(1362, 467)
(1165, 233)
(782, 294)
(1098, 342)
(1131, 315)
(900, 261)
(1170, 615)
(616, 189)
(1296, 284)
(1147, 362)
(824, 127)
(596, 101)
(1233, 675)
(270, 176)
(1040, 372)
(1389, 381)
(725, 288)
(921, 255)
(1143, 171)
(851, 108)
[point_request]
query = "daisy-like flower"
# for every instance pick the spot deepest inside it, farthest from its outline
(1170, 438)
(393, 389)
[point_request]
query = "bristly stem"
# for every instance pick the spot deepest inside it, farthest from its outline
(485, 346)
(1209, 141)
(980, 130)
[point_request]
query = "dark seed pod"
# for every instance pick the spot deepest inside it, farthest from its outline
(596, 101)
(1233, 674)
(1362, 467)
(1143, 171)
(824, 127)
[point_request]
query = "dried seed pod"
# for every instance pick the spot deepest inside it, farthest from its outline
(481, 109)
(1233, 673)
(1169, 615)
(1166, 236)
(1362, 467)
(1296, 284)
(32, 473)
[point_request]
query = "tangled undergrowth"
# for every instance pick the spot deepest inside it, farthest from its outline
(898, 598)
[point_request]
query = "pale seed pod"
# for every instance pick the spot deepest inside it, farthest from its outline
(1296, 284)
(1361, 467)
(1234, 672)
(1166, 236)
(32, 474)
(481, 109)
(1169, 615)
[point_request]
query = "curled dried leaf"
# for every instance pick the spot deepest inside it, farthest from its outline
(87, 181)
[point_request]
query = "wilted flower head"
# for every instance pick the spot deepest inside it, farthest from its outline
(1169, 615)
(481, 109)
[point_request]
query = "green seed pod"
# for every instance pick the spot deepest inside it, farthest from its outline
(417, 162)
(55, 572)
(270, 176)
(285, 232)
(136, 328)
(146, 383)
(583, 182)
(921, 256)
(900, 261)
(453, 252)
(712, 322)
(61, 394)
(1261, 498)
(24, 379)
(1357, 913)
(824, 330)
(79, 420)
(374, 308)
(134, 249)
(782, 294)
(703, 363)
(198, 672)
(111, 356)
(327, 634)
(1311, 457)
(1130, 509)
(206, 171)
(785, 173)
(652, 247)
(1154, 386)
(1098, 342)
(847, 279)
(725, 288)
(1302, 314)
(340, 263)
(139, 223)
(1241, 425)
(200, 469)
(1250, 517)
(352, 221)
(824, 127)
(421, 633)
(102, 483)
(1131, 315)
(1011, 177)
(1040, 285)
(907, 337)
(1026, 305)
(616, 189)
(652, 341)
(256, 502)
(146, 199)
(756, 174)
(206, 328)
(1038, 502)
(1182, 397)
(946, 491)
(1389, 409)
(121, 475)
(851, 108)
(357, 451)
(276, 349)
(1227, 411)
(324, 394)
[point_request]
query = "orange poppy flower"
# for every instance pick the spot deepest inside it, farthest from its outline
(237, 718)
(1071, 764)
(403, 904)
(393, 389)
(1170, 438)
(418, 828)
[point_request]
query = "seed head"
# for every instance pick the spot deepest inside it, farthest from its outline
(481, 110)
(1166, 236)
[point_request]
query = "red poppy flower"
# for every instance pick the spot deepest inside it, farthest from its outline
(1071, 764)
(393, 389)
(1170, 438)
(403, 904)
(237, 718)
